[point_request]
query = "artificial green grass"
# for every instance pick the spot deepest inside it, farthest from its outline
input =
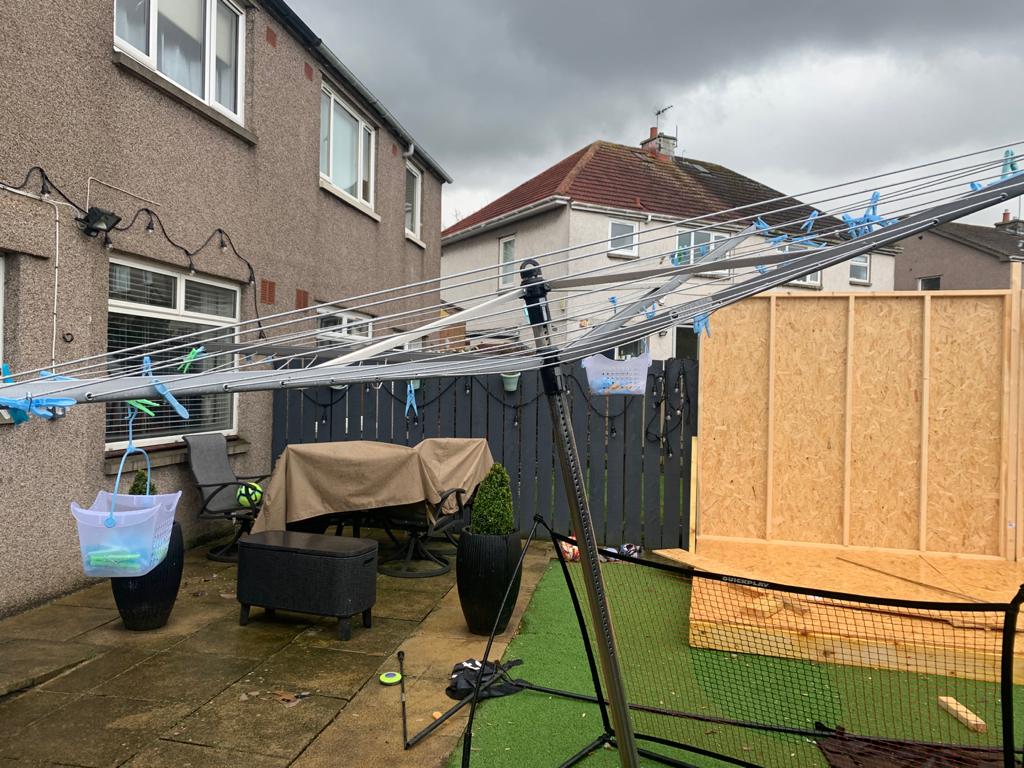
(651, 610)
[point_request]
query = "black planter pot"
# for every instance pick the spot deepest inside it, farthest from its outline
(145, 602)
(484, 566)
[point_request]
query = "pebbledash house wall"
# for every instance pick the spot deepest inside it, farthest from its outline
(71, 105)
(578, 223)
(960, 266)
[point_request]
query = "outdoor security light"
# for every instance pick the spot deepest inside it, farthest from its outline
(97, 220)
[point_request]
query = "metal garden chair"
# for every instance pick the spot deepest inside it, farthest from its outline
(218, 488)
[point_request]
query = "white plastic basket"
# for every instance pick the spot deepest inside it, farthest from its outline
(617, 377)
(137, 541)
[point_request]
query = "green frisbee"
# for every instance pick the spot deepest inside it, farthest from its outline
(390, 678)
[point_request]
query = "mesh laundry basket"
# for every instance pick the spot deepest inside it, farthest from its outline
(617, 377)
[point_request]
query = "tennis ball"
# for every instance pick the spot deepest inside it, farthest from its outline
(249, 495)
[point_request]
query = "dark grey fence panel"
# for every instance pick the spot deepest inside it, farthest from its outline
(634, 452)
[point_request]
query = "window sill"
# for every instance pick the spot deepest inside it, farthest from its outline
(860, 282)
(345, 197)
(415, 240)
(163, 456)
(622, 255)
(803, 286)
(141, 71)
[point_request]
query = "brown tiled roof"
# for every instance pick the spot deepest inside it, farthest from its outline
(998, 242)
(624, 177)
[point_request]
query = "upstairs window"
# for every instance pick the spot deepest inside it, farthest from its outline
(338, 326)
(860, 270)
(507, 260)
(812, 280)
(196, 44)
(413, 200)
(622, 238)
(692, 246)
(931, 283)
(346, 148)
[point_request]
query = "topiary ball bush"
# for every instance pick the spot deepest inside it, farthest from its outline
(492, 507)
(139, 484)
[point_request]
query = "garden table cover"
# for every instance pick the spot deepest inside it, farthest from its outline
(314, 479)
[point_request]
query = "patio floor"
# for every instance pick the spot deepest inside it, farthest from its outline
(78, 689)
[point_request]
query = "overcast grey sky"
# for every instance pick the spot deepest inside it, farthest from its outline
(794, 93)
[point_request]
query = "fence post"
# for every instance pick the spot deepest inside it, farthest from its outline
(1006, 678)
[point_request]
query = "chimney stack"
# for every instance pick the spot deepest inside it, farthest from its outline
(659, 144)
(1006, 216)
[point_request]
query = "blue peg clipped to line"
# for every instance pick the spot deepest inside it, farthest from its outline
(165, 393)
(410, 401)
(702, 323)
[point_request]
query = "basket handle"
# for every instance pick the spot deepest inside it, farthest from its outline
(131, 448)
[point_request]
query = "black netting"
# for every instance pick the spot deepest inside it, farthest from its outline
(778, 676)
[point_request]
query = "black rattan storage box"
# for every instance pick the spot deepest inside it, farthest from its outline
(308, 573)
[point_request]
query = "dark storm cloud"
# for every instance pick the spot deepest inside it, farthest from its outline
(793, 92)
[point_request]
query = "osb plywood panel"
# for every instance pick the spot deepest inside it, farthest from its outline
(810, 405)
(964, 441)
(734, 421)
(885, 455)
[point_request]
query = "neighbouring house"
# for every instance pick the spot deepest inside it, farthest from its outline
(616, 194)
(228, 117)
(959, 256)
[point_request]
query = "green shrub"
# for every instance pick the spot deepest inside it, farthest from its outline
(139, 484)
(492, 507)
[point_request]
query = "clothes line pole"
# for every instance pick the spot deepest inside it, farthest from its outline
(579, 508)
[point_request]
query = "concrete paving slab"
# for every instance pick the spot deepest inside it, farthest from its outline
(380, 640)
(23, 709)
(98, 670)
(412, 605)
(185, 619)
(436, 584)
(98, 731)
(192, 678)
(99, 595)
(261, 638)
(318, 670)
(433, 656)
(55, 622)
(260, 723)
(24, 663)
(173, 754)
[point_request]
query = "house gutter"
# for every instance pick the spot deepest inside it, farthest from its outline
(301, 30)
(541, 206)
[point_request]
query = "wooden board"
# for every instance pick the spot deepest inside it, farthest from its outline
(809, 424)
(733, 421)
(965, 409)
(886, 423)
(743, 619)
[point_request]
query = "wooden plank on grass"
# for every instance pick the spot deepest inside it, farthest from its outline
(963, 714)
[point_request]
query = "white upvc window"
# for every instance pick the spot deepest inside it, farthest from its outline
(860, 269)
(507, 260)
(347, 144)
(812, 280)
(199, 45)
(693, 245)
(630, 350)
(930, 283)
(413, 200)
(150, 305)
(622, 238)
(340, 325)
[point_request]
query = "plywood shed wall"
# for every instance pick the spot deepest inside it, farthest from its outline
(884, 421)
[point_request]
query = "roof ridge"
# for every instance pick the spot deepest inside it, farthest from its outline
(566, 183)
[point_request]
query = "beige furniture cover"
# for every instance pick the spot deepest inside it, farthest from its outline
(325, 478)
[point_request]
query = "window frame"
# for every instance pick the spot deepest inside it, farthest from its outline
(329, 334)
(716, 236)
(812, 280)
(417, 232)
(363, 127)
(866, 263)
(178, 312)
(209, 59)
(502, 274)
(634, 246)
(929, 277)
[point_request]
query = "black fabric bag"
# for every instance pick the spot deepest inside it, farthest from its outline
(465, 674)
